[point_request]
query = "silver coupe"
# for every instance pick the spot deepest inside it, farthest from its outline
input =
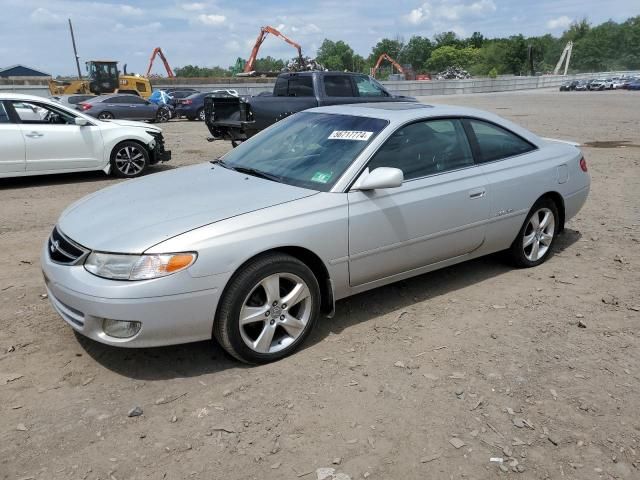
(254, 247)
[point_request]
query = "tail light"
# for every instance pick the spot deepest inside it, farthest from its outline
(186, 102)
(85, 106)
(583, 164)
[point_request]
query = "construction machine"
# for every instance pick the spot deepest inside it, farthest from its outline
(158, 52)
(382, 57)
(250, 66)
(566, 55)
(102, 77)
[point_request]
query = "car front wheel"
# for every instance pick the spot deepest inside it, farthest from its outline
(129, 159)
(105, 116)
(268, 309)
(163, 115)
(201, 115)
(533, 244)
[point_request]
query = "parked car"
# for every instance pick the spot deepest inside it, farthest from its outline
(252, 248)
(62, 139)
(177, 94)
(237, 119)
(192, 107)
(582, 86)
(598, 84)
(635, 85)
(71, 100)
(569, 86)
(124, 106)
(618, 84)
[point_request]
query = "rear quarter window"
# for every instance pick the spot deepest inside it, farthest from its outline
(338, 86)
(495, 143)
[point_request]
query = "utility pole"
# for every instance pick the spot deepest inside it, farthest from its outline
(75, 50)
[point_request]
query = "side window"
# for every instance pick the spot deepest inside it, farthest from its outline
(495, 142)
(37, 113)
(134, 100)
(338, 86)
(4, 116)
(425, 148)
(300, 86)
(114, 100)
(280, 89)
(368, 88)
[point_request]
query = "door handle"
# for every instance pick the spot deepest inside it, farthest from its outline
(477, 193)
(34, 135)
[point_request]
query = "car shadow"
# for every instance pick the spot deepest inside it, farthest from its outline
(201, 358)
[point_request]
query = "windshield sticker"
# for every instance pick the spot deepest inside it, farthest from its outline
(350, 135)
(321, 177)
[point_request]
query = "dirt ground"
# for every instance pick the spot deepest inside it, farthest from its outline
(479, 355)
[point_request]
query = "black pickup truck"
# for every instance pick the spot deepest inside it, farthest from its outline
(239, 118)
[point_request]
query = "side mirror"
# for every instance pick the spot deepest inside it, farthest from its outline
(81, 122)
(381, 177)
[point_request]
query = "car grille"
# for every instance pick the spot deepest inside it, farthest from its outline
(63, 250)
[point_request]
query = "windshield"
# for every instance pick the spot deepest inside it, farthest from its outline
(309, 150)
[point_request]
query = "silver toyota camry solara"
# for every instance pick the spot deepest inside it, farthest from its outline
(253, 248)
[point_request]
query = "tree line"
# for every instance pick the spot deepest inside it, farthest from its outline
(607, 46)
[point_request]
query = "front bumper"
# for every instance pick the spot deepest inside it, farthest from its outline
(159, 153)
(174, 309)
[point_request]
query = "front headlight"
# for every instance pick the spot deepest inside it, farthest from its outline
(117, 266)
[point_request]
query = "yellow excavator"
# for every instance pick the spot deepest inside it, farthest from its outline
(103, 77)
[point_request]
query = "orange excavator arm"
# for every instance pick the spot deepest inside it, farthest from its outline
(250, 66)
(382, 57)
(158, 51)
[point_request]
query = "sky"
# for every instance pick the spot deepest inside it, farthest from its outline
(216, 32)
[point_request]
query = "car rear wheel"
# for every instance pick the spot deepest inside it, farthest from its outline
(105, 116)
(533, 244)
(129, 159)
(268, 309)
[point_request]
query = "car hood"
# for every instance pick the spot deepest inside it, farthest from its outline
(136, 214)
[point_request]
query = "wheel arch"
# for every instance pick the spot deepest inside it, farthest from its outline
(311, 260)
(556, 198)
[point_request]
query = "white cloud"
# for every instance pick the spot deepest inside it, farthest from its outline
(560, 22)
(144, 28)
(449, 10)
(129, 10)
(232, 45)
(193, 7)
(307, 29)
(46, 17)
(211, 19)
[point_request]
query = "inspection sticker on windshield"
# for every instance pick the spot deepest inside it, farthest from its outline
(350, 135)
(321, 177)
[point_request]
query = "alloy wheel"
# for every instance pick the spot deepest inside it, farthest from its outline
(538, 234)
(275, 313)
(163, 115)
(201, 115)
(130, 160)
(105, 116)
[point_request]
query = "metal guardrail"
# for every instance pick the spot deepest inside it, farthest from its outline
(402, 87)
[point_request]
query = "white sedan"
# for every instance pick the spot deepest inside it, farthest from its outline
(58, 139)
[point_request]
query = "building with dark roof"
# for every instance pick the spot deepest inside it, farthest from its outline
(21, 71)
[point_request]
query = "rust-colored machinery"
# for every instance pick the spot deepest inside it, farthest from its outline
(382, 57)
(250, 66)
(158, 52)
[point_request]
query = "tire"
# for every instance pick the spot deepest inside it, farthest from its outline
(163, 115)
(533, 245)
(129, 159)
(105, 116)
(274, 329)
(200, 115)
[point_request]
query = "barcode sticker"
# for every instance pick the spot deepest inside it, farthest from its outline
(350, 135)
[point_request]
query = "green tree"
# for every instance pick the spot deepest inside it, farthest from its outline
(515, 55)
(416, 52)
(449, 56)
(339, 56)
(388, 46)
(475, 40)
(446, 39)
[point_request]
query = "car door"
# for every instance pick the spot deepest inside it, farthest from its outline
(55, 142)
(368, 90)
(514, 168)
(118, 106)
(142, 109)
(337, 89)
(12, 156)
(438, 213)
